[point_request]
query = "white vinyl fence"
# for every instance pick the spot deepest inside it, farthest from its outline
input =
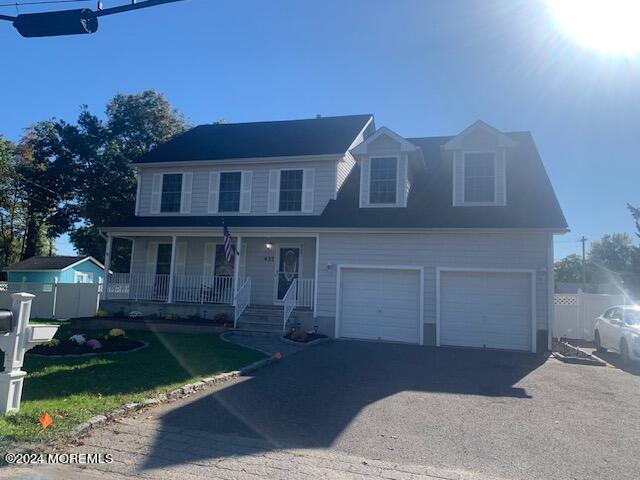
(55, 300)
(575, 314)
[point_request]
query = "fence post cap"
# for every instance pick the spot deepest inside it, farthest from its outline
(22, 296)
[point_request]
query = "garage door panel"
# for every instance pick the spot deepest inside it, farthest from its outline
(485, 309)
(380, 304)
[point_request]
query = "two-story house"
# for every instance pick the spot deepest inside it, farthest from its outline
(361, 232)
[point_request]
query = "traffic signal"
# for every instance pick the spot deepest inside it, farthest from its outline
(50, 24)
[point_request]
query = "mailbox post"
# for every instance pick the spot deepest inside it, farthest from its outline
(15, 343)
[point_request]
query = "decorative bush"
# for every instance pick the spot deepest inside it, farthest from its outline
(79, 339)
(299, 336)
(54, 342)
(101, 314)
(221, 318)
(172, 317)
(116, 332)
(94, 344)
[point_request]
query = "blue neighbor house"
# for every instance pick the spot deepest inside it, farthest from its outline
(61, 269)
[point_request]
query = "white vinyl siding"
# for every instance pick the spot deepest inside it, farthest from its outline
(203, 197)
(527, 250)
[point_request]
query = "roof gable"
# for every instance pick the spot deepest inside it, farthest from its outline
(478, 133)
(381, 135)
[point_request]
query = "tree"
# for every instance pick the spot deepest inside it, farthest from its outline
(9, 220)
(614, 252)
(103, 152)
(45, 175)
(569, 269)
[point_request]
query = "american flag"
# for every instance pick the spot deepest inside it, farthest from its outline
(229, 250)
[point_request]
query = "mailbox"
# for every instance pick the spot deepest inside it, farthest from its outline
(6, 320)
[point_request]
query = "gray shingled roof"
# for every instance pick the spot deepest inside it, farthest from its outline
(531, 201)
(227, 141)
(46, 263)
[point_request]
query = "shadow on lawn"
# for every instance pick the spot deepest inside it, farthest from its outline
(307, 400)
(168, 360)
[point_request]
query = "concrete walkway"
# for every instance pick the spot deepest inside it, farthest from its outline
(268, 343)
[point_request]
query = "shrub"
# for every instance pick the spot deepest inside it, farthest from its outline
(116, 332)
(101, 314)
(78, 339)
(298, 336)
(221, 318)
(94, 344)
(51, 343)
(172, 317)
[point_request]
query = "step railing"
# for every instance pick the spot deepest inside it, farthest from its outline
(241, 300)
(305, 292)
(289, 302)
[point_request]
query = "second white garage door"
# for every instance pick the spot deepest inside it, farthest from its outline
(486, 309)
(380, 304)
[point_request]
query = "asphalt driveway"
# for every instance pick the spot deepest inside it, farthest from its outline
(461, 413)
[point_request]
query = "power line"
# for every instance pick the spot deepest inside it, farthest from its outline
(41, 2)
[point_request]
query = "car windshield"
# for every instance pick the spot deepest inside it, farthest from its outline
(632, 317)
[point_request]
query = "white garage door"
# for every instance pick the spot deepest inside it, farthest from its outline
(380, 304)
(491, 310)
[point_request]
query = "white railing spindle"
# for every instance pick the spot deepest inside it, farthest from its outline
(241, 300)
(289, 301)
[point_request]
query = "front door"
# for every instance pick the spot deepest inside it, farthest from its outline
(288, 266)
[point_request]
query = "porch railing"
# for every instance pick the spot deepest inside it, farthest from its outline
(186, 288)
(242, 300)
(289, 301)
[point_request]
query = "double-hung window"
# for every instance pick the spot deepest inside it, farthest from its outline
(291, 190)
(383, 180)
(229, 196)
(479, 177)
(171, 192)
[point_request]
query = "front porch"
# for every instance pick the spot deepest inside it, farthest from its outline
(187, 275)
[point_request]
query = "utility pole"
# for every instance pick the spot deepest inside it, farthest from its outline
(583, 239)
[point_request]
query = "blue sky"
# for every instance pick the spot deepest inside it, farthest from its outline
(423, 68)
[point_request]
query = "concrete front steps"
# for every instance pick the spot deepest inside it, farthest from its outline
(268, 318)
(261, 318)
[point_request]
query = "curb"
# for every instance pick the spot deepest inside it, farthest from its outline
(178, 393)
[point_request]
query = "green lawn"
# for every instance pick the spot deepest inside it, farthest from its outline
(73, 390)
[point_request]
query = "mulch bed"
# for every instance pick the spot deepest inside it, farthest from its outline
(311, 337)
(71, 348)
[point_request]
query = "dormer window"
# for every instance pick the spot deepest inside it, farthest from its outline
(480, 177)
(383, 180)
(479, 155)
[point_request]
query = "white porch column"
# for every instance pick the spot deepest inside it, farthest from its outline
(236, 268)
(172, 270)
(107, 267)
(315, 281)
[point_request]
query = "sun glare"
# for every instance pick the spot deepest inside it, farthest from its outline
(611, 26)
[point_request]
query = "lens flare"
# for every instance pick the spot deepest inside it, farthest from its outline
(610, 26)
